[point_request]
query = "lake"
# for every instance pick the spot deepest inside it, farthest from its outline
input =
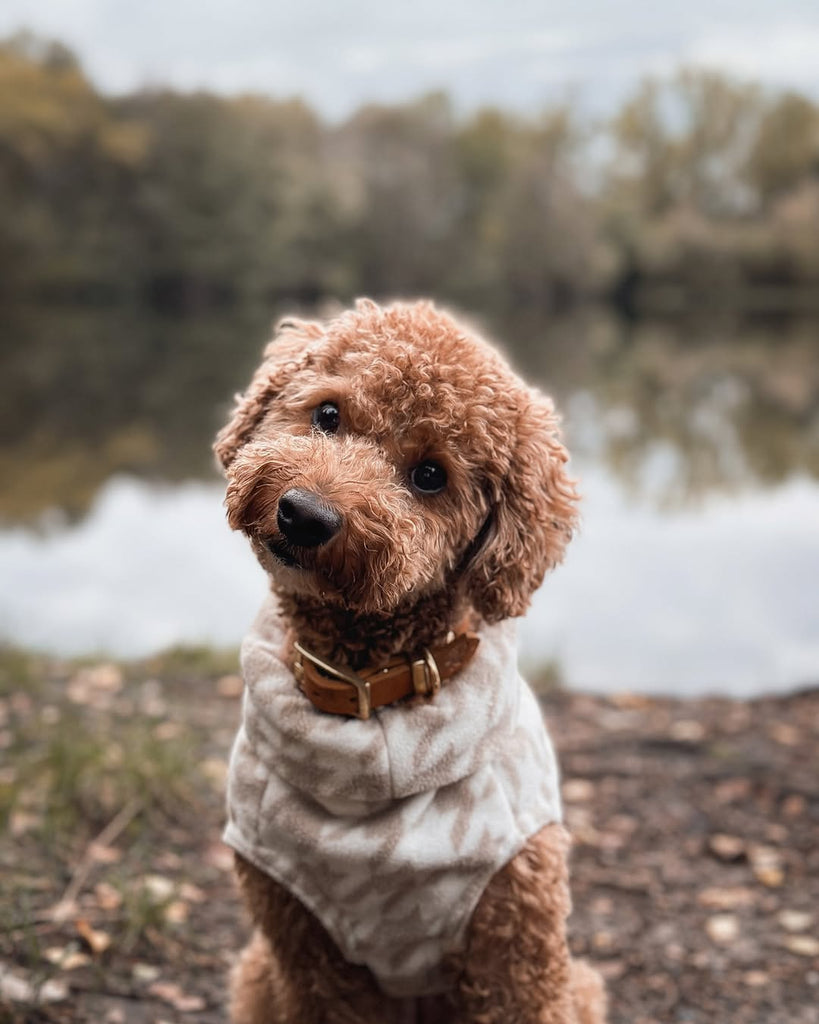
(696, 444)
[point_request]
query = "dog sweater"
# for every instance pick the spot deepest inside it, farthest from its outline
(389, 829)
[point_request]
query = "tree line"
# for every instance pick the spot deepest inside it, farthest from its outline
(700, 188)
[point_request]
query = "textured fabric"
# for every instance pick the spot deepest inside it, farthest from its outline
(388, 830)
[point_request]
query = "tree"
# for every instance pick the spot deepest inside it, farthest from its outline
(785, 151)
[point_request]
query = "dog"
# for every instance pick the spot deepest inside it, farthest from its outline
(393, 798)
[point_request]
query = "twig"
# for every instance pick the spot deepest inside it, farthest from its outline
(112, 830)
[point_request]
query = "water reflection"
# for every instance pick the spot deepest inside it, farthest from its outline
(697, 445)
(89, 393)
(732, 404)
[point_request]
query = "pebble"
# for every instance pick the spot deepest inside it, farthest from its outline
(795, 920)
(722, 928)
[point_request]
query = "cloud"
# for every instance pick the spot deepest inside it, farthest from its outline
(787, 55)
(519, 53)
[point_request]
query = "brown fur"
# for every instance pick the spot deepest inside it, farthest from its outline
(411, 384)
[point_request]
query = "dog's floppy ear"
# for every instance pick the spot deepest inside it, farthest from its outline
(531, 520)
(289, 350)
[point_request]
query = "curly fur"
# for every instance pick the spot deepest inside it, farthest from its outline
(411, 384)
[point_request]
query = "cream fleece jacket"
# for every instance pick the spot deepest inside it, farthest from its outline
(389, 830)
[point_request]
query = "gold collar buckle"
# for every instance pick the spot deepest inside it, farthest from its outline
(426, 679)
(362, 686)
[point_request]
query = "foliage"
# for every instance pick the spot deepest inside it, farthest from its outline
(196, 200)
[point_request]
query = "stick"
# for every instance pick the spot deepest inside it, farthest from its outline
(65, 906)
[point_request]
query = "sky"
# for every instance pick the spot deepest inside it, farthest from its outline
(512, 53)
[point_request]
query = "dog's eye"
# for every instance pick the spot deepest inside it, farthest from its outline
(327, 417)
(428, 477)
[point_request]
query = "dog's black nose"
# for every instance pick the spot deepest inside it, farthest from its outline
(305, 520)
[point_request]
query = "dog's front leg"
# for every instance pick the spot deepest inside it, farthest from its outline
(516, 967)
(293, 973)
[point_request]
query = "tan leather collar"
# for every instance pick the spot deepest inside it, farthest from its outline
(339, 691)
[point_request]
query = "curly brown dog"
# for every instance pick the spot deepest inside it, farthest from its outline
(393, 794)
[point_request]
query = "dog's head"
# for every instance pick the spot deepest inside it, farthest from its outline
(390, 453)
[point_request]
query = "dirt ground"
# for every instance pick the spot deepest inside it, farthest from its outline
(695, 867)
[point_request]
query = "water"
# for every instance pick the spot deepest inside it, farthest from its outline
(697, 447)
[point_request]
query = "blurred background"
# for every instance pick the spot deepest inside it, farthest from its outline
(629, 205)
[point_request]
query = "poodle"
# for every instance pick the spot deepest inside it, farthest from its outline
(393, 797)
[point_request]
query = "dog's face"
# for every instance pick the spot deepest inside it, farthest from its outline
(390, 453)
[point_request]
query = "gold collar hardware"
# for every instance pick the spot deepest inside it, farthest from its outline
(338, 690)
(337, 672)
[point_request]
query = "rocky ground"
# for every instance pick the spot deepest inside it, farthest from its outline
(696, 861)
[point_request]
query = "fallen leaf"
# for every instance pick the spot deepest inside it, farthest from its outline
(158, 887)
(177, 912)
(21, 822)
(67, 958)
(795, 920)
(151, 702)
(602, 905)
(107, 897)
(171, 993)
(190, 1004)
(97, 941)
(63, 911)
(168, 861)
(215, 770)
(730, 791)
(794, 806)
(21, 703)
(168, 730)
(630, 701)
(802, 945)
(145, 972)
(50, 714)
(772, 878)
(52, 991)
(611, 969)
(229, 686)
(192, 893)
(104, 854)
(17, 989)
(784, 734)
(766, 863)
(14, 988)
(717, 898)
(219, 856)
(578, 791)
(726, 847)
(95, 684)
(687, 730)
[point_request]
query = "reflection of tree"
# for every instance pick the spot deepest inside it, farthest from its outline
(88, 393)
(728, 406)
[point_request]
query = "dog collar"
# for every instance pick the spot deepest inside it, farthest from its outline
(339, 691)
